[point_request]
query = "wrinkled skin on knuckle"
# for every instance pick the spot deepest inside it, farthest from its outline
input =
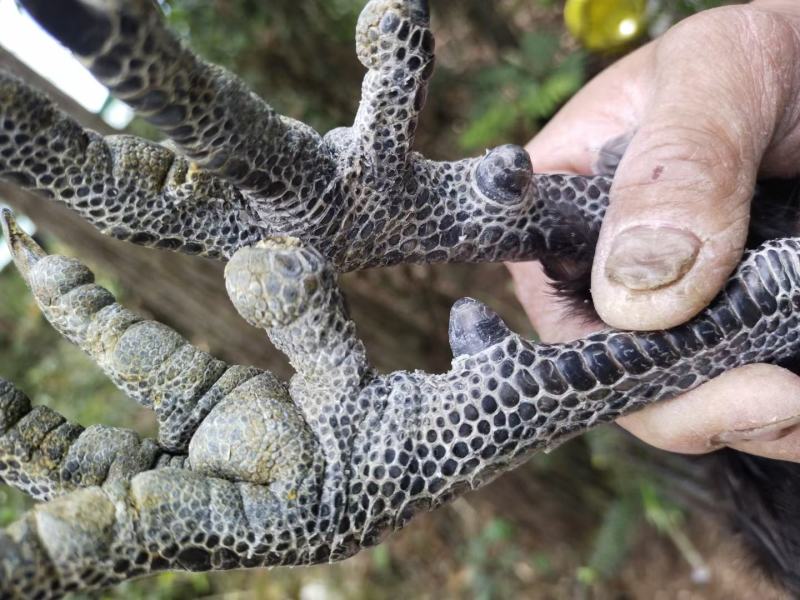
(274, 282)
(776, 36)
(756, 84)
(255, 434)
(504, 175)
(700, 160)
(772, 101)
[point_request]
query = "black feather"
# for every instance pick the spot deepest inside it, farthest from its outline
(776, 211)
(760, 496)
(571, 276)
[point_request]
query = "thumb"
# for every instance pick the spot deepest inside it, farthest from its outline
(678, 218)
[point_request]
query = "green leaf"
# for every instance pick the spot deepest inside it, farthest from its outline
(614, 538)
(493, 125)
(538, 51)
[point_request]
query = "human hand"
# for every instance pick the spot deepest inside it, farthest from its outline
(711, 105)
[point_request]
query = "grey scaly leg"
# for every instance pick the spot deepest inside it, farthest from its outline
(128, 188)
(343, 456)
(359, 194)
(210, 114)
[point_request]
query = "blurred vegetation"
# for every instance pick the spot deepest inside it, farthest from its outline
(504, 67)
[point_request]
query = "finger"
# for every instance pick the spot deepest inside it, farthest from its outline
(679, 212)
(550, 316)
(755, 409)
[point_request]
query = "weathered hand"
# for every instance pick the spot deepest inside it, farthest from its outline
(704, 111)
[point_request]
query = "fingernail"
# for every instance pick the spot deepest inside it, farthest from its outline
(647, 258)
(610, 154)
(765, 433)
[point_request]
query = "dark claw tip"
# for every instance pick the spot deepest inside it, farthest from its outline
(24, 250)
(505, 173)
(474, 327)
(8, 223)
(420, 9)
(611, 153)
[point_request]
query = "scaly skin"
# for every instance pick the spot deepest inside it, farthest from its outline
(359, 194)
(250, 472)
